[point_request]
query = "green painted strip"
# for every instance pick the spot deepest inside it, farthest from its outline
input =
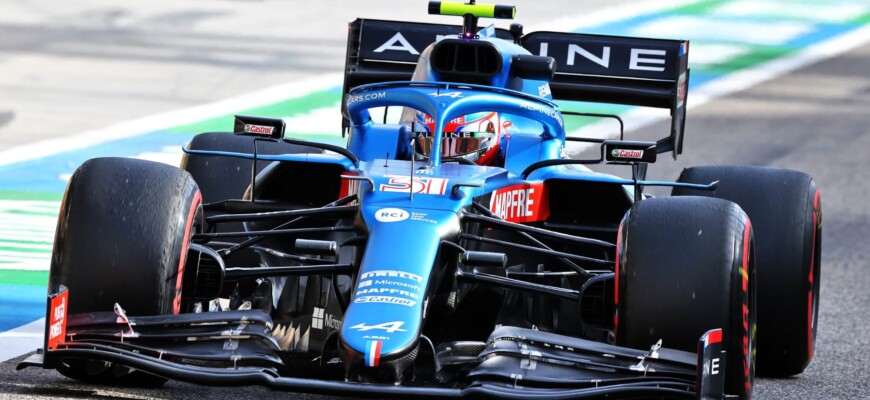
(287, 108)
(32, 213)
(8, 242)
(20, 277)
(573, 123)
(755, 56)
(862, 20)
(698, 8)
(25, 195)
(24, 250)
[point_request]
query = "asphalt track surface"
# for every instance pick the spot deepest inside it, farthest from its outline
(814, 119)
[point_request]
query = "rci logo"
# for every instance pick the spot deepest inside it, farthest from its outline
(391, 215)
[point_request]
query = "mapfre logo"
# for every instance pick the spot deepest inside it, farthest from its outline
(520, 203)
(391, 215)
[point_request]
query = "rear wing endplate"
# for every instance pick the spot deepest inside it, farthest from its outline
(593, 68)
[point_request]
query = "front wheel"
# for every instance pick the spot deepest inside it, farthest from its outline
(786, 212)
(686, 265)
(122, 237)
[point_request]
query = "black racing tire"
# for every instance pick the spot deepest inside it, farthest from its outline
(785, 209)
(685, 265)
(122, 237)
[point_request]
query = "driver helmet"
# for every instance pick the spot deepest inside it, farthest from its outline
(473, 137)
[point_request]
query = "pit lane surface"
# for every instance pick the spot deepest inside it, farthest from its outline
(813, 119)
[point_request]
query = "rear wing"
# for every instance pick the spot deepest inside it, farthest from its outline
(383, 51)
(594, 68)
(621, 70)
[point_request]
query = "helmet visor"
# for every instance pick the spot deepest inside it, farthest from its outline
(455, 145)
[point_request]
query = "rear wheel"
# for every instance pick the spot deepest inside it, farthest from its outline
(785, 209)
(221, 178)
(122, 237)
(685, 266)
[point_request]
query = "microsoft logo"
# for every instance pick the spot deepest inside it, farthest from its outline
(317, 318)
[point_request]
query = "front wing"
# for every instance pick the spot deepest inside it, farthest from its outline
(237, 348)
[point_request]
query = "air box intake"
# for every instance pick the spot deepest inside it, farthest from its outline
(465, 61)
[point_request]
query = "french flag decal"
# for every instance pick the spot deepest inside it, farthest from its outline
(713, 337)
(684, 48)
(489, 31)
(373, 353)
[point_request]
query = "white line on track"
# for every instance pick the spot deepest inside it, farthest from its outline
(29, 222)
(18, 234)
(153, 123)
(29, 205)
(26, 233)
(18, 264)
(22, 340)
(12, 255)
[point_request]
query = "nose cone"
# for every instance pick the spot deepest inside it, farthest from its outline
(385, 316)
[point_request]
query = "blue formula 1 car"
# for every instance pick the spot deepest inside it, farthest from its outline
(452, 249)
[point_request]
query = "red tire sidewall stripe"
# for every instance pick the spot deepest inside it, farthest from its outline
(811, 279)
(616, 267)
(194, 204)
(747, 357)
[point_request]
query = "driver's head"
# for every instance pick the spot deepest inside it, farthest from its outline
(473, 137)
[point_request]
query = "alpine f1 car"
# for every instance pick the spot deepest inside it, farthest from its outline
(452, 249)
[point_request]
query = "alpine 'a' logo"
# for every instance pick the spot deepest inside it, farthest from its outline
(398, 43)
(622, 153)
(390, 327)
